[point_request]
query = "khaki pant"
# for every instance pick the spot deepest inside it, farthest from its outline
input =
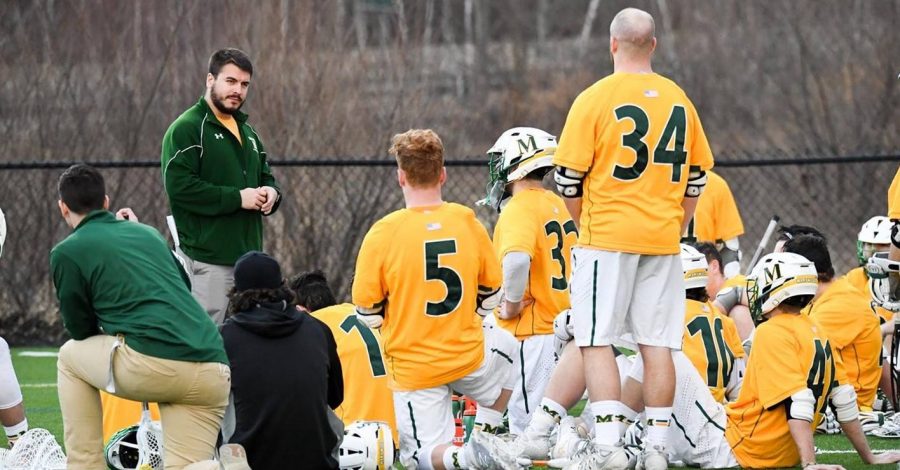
(192, 397)
(210, 284)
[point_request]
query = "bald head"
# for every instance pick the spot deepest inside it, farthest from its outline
(634, 31)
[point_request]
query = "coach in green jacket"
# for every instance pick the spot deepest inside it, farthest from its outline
(218, 181)
(136, 332)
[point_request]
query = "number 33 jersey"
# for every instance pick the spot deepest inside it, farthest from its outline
(537, 223)
(425, 265)
(636, 136)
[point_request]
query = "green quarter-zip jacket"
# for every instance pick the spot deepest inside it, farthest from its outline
(119, 278)
(204, 168)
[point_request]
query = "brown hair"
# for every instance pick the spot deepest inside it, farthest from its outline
(420, 154)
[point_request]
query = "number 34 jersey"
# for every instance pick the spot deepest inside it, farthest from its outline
(537, 223)
(636, 136)
(425, 265)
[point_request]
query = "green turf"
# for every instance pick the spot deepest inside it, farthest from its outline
(42, 408)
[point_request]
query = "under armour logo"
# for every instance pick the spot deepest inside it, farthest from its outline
(219, 136)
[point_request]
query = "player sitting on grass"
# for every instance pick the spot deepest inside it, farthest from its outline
(136, 332)
(848, 321)
(791, 376)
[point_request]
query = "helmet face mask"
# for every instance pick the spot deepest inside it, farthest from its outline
(518, 152)
(121, 451)
(874, 236)
(884, 281)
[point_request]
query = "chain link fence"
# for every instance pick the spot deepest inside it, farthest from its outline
(329, 206)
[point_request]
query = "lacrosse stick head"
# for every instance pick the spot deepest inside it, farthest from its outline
(149, 442)
(37, 449)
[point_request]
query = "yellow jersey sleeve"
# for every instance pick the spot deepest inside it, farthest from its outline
(426, 265)
(894, 197)
(578, 139)
(717, 217)
(367, 396)
(536, 222)
(637, 136)
(784, 375)
(369, 290)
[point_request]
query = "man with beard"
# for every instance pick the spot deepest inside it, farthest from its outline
(218, 180)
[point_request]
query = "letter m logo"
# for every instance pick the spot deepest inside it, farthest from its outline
(527, 145)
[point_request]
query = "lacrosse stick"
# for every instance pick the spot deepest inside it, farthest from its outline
(763, 242)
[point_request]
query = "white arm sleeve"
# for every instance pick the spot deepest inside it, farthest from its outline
(731, 258)
(516, 266)
(843, 400)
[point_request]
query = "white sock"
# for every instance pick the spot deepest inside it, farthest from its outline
(606, 421)
(454, 458)
(628, 417)
(657, 426)
(553, 408)
(488, 420)
(16, 429)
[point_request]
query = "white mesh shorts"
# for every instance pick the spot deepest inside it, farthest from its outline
(697, 430)
(625, 298)
(536, 358)
(424, 417)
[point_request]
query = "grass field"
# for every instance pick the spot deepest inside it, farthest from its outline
(37, 375)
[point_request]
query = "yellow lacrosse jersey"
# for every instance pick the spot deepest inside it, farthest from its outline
(854, 330)
(790, 353)
(425, 265)
(119, 413)
(636, 136)
(711, 342)
(894, 197)
(536, 222)
(717, 216)
(857, 278)
(366, 393)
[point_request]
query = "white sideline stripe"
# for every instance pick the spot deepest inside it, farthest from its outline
(38, 354)
(877, 451)
(46, 385)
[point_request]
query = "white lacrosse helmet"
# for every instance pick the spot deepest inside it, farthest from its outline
(367, 445)
(778, 277)
(884, 281)
(517, 152)
(2, 231)
(876, 231)
(696, 269)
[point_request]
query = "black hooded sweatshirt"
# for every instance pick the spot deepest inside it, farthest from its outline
(285, 374)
